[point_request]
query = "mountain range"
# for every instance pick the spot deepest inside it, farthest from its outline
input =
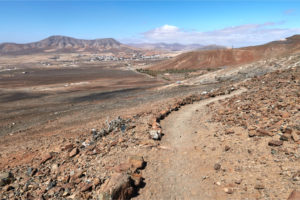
(65, 44)
(230, 57)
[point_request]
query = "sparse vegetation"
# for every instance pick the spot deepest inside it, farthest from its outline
(154, 73)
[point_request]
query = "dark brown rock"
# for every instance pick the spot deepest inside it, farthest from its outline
(227, 148)
(275, 143)
(6, 178)
(217, 166)
(259, 187)
(284, 137)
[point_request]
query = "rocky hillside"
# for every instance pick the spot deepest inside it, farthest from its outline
(230, 57)
(252, 152)
(65, 45)
(262, 137)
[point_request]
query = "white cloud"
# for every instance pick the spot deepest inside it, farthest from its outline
(243, 35)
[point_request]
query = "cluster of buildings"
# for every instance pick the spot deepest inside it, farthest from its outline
(120, 58)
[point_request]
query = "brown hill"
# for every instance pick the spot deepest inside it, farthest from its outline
(230, 57)
(66, 45)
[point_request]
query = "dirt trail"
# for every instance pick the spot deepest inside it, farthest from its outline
(178, 169)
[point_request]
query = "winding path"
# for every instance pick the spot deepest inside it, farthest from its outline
(177, 169)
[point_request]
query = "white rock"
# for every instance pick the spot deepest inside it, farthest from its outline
(155, 134)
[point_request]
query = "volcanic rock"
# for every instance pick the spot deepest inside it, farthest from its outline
(275, 143)
(217, 166)
(6, 178)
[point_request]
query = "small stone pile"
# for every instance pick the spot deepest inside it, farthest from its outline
(113, 125)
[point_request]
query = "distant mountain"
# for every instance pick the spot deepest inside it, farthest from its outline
(230, 57)
(174, 46)
(66, 45)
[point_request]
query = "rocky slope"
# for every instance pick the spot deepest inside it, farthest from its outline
(261, 131)
(66, 45)
(105, 164)
(240, 147)
(230, 57)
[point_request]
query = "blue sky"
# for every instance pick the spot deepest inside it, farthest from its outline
(237, 23)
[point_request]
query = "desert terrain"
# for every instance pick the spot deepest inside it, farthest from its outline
(80, 122)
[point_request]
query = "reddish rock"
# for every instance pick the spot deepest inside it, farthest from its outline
(85, 187)
(136, 162)
(287, 131)
(262, 132)
(45, 158)
(123, 167)
(295, 136)
(74, 152)
(117, 187)
(252, 133)
(229, 132)
(93, 151)
(295, 195)
(285, 115)
(114, 143)
(68, 147)
(155, 125)
(65, 179)
(96, 182)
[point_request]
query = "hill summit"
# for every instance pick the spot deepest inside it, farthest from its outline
(63, 44)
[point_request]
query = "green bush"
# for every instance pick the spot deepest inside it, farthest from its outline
(170, 71)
